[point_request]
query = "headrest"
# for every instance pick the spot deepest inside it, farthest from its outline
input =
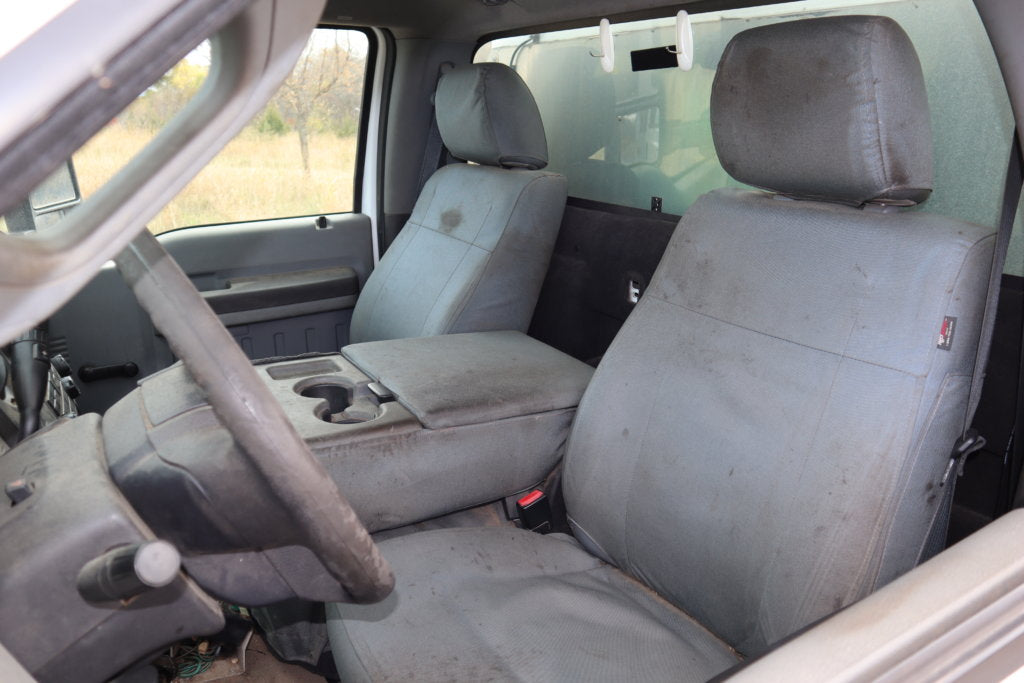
(832, 109)
(486, 114)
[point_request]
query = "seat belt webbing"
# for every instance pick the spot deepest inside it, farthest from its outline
(970, 441)
(1011, 197)
(435, 155)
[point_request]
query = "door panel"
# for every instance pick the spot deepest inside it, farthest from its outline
(318, 332)
(282, 287)
(247, 299)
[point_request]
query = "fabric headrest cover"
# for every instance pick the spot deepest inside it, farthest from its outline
(486, 114)
(831, 109)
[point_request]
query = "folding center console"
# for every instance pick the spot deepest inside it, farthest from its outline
(409, 429)
(413, 428)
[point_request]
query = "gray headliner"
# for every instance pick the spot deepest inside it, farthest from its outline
(469, 20)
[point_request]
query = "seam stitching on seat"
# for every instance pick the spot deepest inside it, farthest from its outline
(374, 312)
(490, 252)
(658, 597)
(372, 318)
(932, 359)
(948, 379)
(632, 474)
(457, 239)
(877, 121)
(448, 281)
(805, 603)
(783, 339)
(467, 296)
(486, 73)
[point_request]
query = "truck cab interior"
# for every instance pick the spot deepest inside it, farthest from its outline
(513, 340)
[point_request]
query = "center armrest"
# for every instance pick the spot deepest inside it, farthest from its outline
(463, 379)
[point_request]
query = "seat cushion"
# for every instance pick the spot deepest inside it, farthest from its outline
(476, 604)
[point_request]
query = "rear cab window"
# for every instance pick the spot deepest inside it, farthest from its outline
(642, 138)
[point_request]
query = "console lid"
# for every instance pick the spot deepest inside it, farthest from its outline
(463, 379)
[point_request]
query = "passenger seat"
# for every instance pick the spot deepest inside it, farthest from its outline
(473, 255)
(765, 440)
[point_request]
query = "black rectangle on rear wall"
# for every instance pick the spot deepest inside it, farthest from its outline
(653, 58)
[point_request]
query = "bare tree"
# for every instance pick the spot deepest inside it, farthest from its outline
(165, 98)
(300, 99)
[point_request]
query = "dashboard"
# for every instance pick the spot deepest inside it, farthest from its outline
(122, 532)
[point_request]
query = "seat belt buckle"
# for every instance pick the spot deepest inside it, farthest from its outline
(535, 512)
(969, 442)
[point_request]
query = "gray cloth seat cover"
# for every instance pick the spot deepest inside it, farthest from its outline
(459, 379)
(473, 255)
(868, 140)
(521, 606)
(764, 441)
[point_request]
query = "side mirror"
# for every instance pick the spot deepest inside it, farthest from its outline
(48, 203)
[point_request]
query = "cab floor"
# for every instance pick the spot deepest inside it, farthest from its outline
(262, 666)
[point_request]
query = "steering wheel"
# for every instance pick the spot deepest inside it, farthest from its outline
(327, 524)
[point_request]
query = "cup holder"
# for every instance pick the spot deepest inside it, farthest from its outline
(338, 406)
(337, 396)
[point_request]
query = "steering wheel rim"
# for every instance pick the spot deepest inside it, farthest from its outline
(329, 526)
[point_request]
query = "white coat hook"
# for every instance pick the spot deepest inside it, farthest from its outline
(684, 41)
(607, 53)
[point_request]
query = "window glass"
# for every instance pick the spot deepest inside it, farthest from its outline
(296, 157)
(628, 137)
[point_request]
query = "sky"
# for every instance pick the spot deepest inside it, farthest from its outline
(19, 20)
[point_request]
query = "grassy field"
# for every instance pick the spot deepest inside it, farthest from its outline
(256, 176)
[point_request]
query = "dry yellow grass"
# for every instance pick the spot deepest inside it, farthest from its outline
(256, 176)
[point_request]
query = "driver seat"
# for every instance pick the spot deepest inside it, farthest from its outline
(765, 439)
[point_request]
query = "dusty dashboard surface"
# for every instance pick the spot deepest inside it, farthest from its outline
(58, 489)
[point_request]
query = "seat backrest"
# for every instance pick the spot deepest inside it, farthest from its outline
(764, 441)
(473, 255)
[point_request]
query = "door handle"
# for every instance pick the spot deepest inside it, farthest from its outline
(94, 373)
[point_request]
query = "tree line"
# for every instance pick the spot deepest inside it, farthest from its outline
(323, 94)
